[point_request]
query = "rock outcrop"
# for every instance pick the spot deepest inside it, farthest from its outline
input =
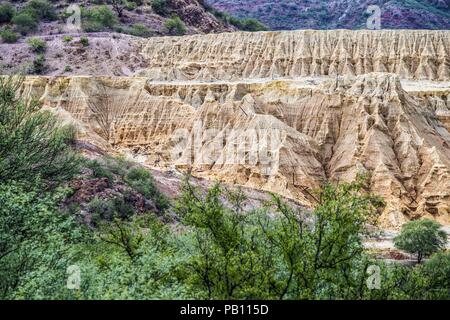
(284, 136)
(232, 56)
(236, 56)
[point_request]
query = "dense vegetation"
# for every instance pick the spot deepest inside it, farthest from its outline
(213, 249)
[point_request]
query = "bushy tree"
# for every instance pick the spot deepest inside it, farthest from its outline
(32, 143)
(9, 36)
(292, 255)
(37, 45)
(39, 65)
(98, 18)
(34, 242)
(118, 6)
(142, 181)
(159, 7)
(175, 26)
(41, 9)
(229, 258)
(421, 237)
(25, 22)
(321, 251)
(7, 12)
(251, 25)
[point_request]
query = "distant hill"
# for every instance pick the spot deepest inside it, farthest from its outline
(332, 14)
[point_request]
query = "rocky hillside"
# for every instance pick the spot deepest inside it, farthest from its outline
(139, 18)
(348, 14)
(41, 36)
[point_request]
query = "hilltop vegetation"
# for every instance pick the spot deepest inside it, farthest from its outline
(348, 14)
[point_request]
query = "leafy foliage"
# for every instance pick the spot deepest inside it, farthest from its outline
(25, 22)
(34, 239)
(42, 9)
(249, 24)
(37, 45)
(421, 237)
(139, 30)
(142, 181)
(84, 41)
(32, 144)
(159, 7)
(237, 255)
(118, 5)
(9, 36)
(175, 26)
(7, 12)
(98, 18)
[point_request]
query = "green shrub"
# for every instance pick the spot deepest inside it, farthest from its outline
(118, 165)
(252, 25)
(25, 22)
(37, 45)
(8, 36)
(110, 209)
(294, 254)
(35, 236)
(139, 30)
(141, 180)
(7, 12)
(138, 2)
(84, 41)
(98, 19)
(100, 171)
(67, 38)
(39, 64)
(101, 210)
(138, 174)
(130, 5)
(67, 69)
(42, 9)
(32, 142)
(160, 7)
(175, 26)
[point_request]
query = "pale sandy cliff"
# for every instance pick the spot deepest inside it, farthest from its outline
(308, 131)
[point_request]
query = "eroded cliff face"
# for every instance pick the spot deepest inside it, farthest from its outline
(284, 136)
(237, 56)
(233, 56)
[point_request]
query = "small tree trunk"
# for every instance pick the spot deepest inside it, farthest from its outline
(419, 257)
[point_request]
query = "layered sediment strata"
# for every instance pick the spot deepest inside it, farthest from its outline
(410, 54)
(283, 136)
